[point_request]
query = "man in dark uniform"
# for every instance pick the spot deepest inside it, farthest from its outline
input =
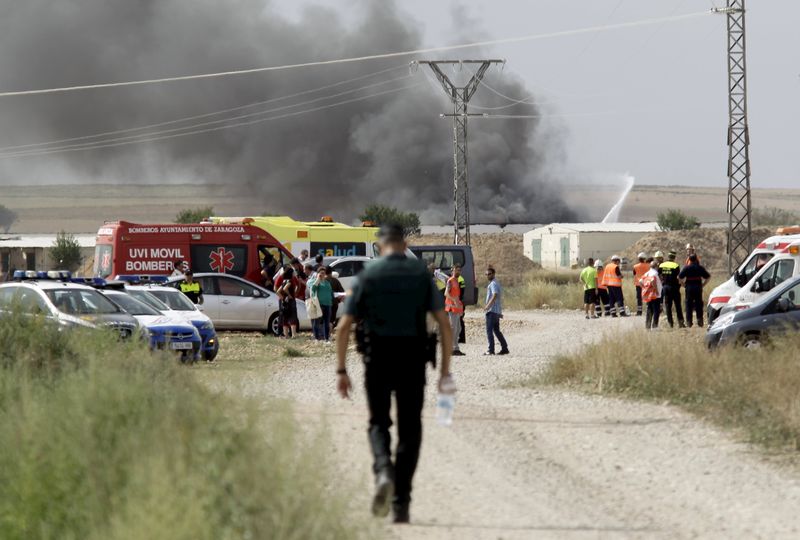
(191, 288)
(694, 277)
(391, 300)
(672, 289)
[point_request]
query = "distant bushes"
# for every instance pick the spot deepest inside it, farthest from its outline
(194, 215)
(774, 217)
(103, 440)
(675, 220)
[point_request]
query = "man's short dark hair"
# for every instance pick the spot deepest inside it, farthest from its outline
(693, 258)
(490, 269)
(392, 232)
(188, 273)
(295, 260)
(590, 261)
(319, 258)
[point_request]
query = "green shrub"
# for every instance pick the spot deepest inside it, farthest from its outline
(755, 390)
(675, 220)
(103, 440)
(194, 215)
(66, 252)
(774, 217)
(383, 215)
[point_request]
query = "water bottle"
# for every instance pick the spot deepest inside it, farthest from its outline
(445, 402)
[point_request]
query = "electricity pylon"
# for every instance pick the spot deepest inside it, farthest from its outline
(740, 241)
(460, 96)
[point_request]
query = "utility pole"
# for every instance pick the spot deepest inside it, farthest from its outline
(460, 96)
(740, 241)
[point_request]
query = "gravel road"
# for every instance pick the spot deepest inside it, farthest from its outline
(549, 463)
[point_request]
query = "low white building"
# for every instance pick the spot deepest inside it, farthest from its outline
(566, 245)
(31, 252)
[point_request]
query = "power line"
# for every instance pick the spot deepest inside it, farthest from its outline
(533, 37)
(223, 120)
(204, 115)
(207, 130)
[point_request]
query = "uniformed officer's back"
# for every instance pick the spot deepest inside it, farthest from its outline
(392, 297)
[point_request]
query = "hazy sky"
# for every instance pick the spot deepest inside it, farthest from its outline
(663, 87)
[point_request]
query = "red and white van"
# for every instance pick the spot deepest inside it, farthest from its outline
(132, 248)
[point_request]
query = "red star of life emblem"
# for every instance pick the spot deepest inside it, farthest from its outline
(221, 260)
(106, 261)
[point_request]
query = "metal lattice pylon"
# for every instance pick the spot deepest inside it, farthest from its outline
(460, 96)
(740, 241)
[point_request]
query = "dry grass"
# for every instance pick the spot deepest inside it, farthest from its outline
(756, 391)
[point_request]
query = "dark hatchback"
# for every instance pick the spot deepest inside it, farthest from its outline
(776, 313)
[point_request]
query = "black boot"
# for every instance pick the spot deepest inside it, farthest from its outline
(401, 514)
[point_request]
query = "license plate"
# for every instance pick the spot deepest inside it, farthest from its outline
(180, 345)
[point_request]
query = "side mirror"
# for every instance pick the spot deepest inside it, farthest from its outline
(758, 286)
(256, 293)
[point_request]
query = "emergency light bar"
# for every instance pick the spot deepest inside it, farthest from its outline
(136, 280)
(91, 281)
(62, 275)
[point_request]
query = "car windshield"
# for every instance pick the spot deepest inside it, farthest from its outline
(150, 300)
(174, 299)
(81, 302)
(132, 305)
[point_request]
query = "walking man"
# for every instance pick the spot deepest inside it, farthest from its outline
(694, 277)
(494, 312)
(612, 278)
(651, 295)
(391, 300)
(639, 270)
(454, 307)
(672, 289)
(589, 279)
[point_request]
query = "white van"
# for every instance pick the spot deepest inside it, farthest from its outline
(761, 255)
(782, 267)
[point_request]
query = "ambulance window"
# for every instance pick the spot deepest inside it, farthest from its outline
(754, 265)
(777, 274)
(277, 254)
(102, 260)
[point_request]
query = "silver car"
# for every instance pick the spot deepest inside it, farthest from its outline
(234, 303)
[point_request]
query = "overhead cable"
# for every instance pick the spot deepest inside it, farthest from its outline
(519, 39)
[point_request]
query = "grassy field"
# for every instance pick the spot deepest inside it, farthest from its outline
(103, 440)
(752, 390)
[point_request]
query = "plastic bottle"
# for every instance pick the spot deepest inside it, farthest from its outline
(446, 402)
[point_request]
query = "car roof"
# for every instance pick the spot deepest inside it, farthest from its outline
(47, 285)
(334, 260)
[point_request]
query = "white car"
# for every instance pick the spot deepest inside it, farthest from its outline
(234, 303)
(347, 268)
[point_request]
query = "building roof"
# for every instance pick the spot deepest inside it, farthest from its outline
(33, 241)
(599, 227)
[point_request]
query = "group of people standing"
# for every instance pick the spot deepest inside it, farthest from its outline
(658, 285)
(302, 279)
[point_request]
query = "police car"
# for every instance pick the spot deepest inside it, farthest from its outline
(55, 296)
(178, 307)
(162, 332)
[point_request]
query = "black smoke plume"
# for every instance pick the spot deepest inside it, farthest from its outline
(392, 149)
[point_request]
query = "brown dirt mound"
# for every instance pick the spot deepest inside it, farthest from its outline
(709, 243)
(501, 250)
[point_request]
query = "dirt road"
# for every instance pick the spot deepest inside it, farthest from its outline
(548, 463)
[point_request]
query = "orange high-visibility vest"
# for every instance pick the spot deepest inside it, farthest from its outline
(639, 269)
(600, 284)
(649, 289)
(688, 262)
(453, 289)
(610, 277)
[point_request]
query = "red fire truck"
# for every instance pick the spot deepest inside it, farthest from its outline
(132, 248)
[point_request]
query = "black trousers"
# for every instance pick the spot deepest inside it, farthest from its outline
(653, 314)
(672, 297)
(638, 300)
(694, 304)
(602, 302)
(617, 300)
(401, 372)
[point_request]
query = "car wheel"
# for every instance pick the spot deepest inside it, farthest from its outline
(273, 326)
(752, 341)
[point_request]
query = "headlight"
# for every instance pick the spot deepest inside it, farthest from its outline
(723, 321)
(208, 325)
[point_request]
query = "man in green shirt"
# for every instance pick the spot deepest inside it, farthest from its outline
(390, 301)
(589, 280)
